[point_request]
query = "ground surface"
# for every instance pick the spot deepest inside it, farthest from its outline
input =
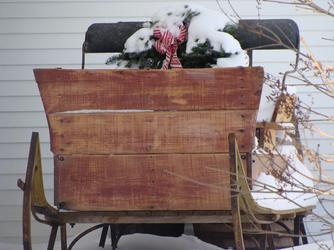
(131, 242)
(151, 242)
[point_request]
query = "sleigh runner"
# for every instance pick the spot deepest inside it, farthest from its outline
(149, 146)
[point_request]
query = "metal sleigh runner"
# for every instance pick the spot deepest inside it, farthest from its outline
(180, 154)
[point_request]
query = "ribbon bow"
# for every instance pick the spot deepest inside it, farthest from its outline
(167, 44)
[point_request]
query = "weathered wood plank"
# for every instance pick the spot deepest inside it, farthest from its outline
(150, 132)
(143, 182)
(186, 89)
(222, 216)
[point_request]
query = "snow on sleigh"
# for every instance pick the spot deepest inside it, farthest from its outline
(137, 147)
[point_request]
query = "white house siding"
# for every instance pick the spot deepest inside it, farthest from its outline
(49, 33)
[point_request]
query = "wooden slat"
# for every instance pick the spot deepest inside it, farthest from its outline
(143, 182)
(222, 216)
(150, 132)
(186, 89)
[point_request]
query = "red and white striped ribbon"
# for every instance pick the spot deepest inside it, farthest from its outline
(167, 44)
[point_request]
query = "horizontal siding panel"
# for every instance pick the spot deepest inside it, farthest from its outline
(38, 56)
(326, 171)
(50, 57)
(316, 99)
(301, 85)
(316, 37)
(10, 213)
(25, 73)
(21, 150)
(55, 57)
(16, 229)
(8, 182)
(324, 174)
(56, 25)
(40, 233)
(80, 25)
(41, 41)
(310, 89)
(322, 53)
(328, 112)
(328, 203)
(20, 73)
(307, 23)
(75, 40)
(121, 9)
(18, 88)
(317, 129)
(70, 9)
(327, 165)
(20, 103)
(17, 135)
(85, 1)
(23, 119)
(326, 146)
(15, 197)
(19, 166)
(327, 168)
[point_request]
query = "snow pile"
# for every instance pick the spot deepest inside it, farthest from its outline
(294, 191)
(170, 18)
(205, 25)
(235, 60)
(139, 41)
(319, 245)
(297, 188)
(128, 242)
(208, 25)
(267, 106)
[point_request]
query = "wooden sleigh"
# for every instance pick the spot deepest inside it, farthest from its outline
(150, 146)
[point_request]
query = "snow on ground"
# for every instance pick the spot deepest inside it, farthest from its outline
(130, 242)
(324, 245)
(152, 242)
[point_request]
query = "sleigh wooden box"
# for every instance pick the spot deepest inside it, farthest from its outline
(148, 146)
(133, 140)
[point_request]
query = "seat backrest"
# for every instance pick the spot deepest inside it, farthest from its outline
(147, 139)
(252, 34)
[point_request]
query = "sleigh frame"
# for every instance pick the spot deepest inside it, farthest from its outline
(216, 99)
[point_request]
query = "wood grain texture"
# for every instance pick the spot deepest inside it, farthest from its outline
(110, 217)
(143, 182)
(185, 89)
(150, 132)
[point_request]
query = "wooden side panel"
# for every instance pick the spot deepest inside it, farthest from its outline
(143, 182)
(150, 132)
(186, 89)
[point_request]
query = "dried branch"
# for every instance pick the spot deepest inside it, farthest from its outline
(306, 4)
